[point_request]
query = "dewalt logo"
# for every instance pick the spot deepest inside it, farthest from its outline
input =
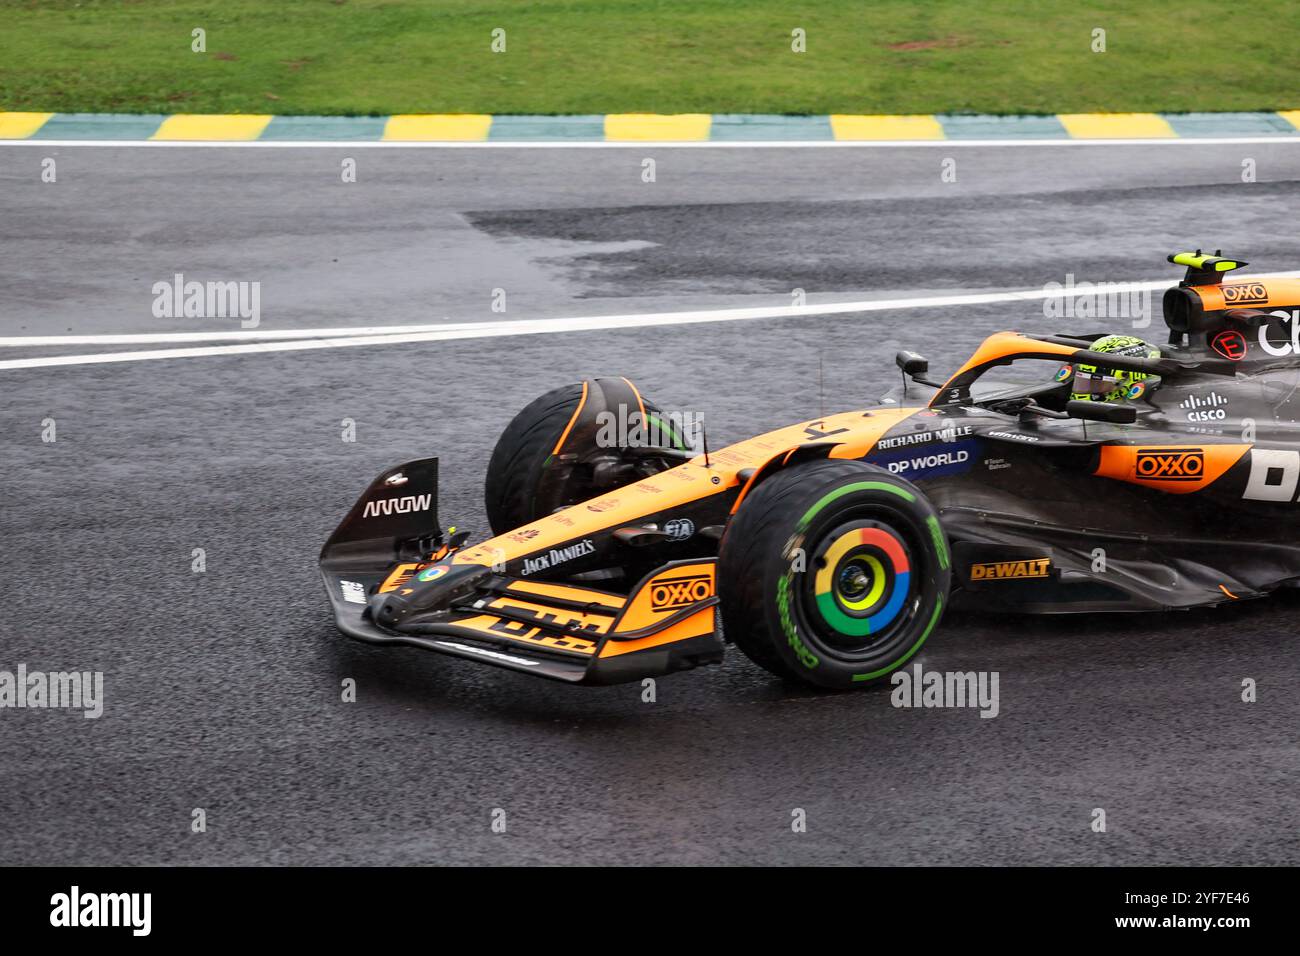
(673, 594)
(1011, 570)
(1169, 464)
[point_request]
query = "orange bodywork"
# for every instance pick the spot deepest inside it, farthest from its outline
(668, 591)
(1175, 469)
(853, 434)
(400, 575)
(569, 592)
(671, 590)
(499, 628)
(1005, 345)
(573, 418)
(1249, 294)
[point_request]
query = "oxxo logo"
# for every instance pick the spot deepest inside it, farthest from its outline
(1245, 293)
(672, 594)
(1170, 464)
(1274, 475)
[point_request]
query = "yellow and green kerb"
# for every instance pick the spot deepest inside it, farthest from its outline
(639, 127)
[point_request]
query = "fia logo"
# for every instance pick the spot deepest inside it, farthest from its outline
(679, 529)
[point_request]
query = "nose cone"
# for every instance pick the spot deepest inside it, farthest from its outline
(389, 610)
(432, 590)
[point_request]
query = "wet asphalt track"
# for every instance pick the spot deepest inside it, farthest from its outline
(222, 688)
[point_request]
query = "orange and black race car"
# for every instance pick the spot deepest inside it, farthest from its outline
(1043, 476)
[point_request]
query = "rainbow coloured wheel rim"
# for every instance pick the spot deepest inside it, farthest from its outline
(861, 584)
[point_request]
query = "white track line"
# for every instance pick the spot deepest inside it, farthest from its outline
(693, 144)
(243, 335)
(351, 338)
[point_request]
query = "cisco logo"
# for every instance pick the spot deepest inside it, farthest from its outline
(1209, 409)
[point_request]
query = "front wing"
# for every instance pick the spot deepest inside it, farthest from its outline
(561, 631)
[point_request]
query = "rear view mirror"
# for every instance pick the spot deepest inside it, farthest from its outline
(1110, 412)
(911, 363)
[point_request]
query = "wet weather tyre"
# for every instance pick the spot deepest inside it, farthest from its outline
(525, 480)
(833, 573)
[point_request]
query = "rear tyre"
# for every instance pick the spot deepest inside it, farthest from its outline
(527, 480)
(833, 573)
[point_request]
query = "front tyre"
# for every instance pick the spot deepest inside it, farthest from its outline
(833, 573)
(550, 456)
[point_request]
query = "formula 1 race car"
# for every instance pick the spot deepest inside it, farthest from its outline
(828, 550)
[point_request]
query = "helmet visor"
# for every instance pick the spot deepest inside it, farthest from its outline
(1095, 383)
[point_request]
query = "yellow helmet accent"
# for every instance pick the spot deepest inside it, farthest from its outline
(1112, 384)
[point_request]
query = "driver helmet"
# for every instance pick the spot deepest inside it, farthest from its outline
(1101, 384)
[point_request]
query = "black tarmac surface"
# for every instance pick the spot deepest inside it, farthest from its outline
(222, 688)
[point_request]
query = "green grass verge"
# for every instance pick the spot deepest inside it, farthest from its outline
(604, 56)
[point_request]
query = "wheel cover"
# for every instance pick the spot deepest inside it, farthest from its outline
(862, 582)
